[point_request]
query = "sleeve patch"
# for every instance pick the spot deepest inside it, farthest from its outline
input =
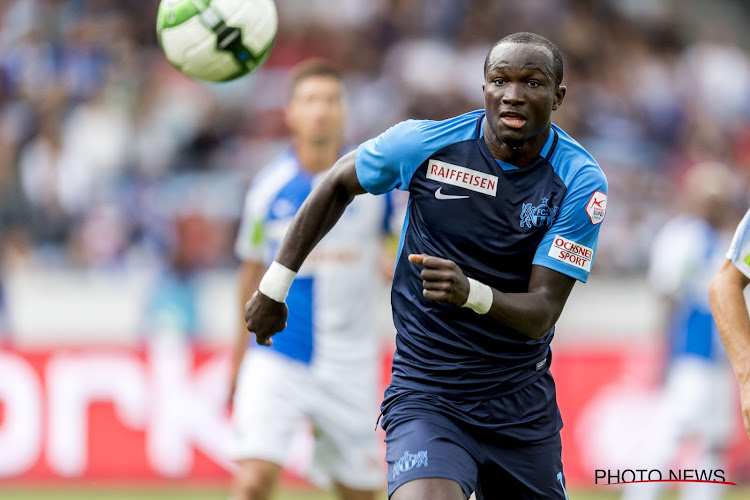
(572, 253)
(597, 207)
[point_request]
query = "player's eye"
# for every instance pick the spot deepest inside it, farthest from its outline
(498, 81)
(533, 83)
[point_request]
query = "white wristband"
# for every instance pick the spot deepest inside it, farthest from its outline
(276, 282)
(480, 297)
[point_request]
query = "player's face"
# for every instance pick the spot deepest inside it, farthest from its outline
(520, 91)
(316, 111)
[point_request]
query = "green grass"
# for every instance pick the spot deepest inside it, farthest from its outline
(221, 494)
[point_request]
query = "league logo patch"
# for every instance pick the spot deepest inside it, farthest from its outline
(408, 461)
(538, 216)
(596, 207)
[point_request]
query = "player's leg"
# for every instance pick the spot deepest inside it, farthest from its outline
(433, 488)
(348, 450)
(429, 455)
(713, 423)
(255, 479)
(522, 449)
(266, 415)
(679, 410)
(523, 471)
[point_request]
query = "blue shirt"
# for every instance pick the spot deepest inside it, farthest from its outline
(495, 221)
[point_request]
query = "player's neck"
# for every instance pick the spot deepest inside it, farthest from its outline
(317, 157)
(521, 154)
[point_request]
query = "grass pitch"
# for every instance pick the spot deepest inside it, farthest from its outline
(222, 494)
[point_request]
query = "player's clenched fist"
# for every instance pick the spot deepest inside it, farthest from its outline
(442, 280)
(265, 317)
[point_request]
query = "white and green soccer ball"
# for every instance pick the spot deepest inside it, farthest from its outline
(216, 40)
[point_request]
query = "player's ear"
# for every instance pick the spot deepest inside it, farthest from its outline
(483, 86)
(559, 97)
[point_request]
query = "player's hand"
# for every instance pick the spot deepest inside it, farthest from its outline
(265, 317)
(442, 280)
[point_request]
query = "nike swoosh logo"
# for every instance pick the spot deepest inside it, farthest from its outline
(440, 196)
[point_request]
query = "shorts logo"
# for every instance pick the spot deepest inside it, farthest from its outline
(538, 216)
(571, 252)
(540, 364)
(456, 175)
(409, 461)
(597, 207)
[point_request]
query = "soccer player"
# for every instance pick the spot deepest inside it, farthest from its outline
(503, 217)
(325, 367)
(730, 311)
(695, 400)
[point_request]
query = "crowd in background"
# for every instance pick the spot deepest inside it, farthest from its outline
(111, 158)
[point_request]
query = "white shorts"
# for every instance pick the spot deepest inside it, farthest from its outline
(277, 395)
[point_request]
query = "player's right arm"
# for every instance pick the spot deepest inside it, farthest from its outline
(266, 312)
(730, 311)
(379, 165)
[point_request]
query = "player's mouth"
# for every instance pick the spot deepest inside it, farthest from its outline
(511, 119)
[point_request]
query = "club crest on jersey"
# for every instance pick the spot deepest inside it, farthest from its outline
(538, 216)
(408, 461)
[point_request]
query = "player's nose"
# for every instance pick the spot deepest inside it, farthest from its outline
(513, 94)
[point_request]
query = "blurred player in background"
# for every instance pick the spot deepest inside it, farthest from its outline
(325, 367)
(695, 401)
(730, 310)
(504, 216)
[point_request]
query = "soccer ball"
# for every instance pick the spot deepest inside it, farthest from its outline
(216, 40)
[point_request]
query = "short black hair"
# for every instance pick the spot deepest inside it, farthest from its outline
(533, 39)
(313, 67)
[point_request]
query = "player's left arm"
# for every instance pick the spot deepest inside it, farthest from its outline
(533, 313)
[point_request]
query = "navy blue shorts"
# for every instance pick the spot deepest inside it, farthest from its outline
(503, 448)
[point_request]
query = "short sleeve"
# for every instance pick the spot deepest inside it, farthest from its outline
(739, 250)
(570, 243)
(389, 160)
(252, 243)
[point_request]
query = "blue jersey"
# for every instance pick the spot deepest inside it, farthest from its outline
(495, 221)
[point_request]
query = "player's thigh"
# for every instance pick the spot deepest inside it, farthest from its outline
(429, 489)
(348, 449)
(523, 471)
(425, 445)
(267, 406)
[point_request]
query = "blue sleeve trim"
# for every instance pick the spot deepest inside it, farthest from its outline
(560, 267)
